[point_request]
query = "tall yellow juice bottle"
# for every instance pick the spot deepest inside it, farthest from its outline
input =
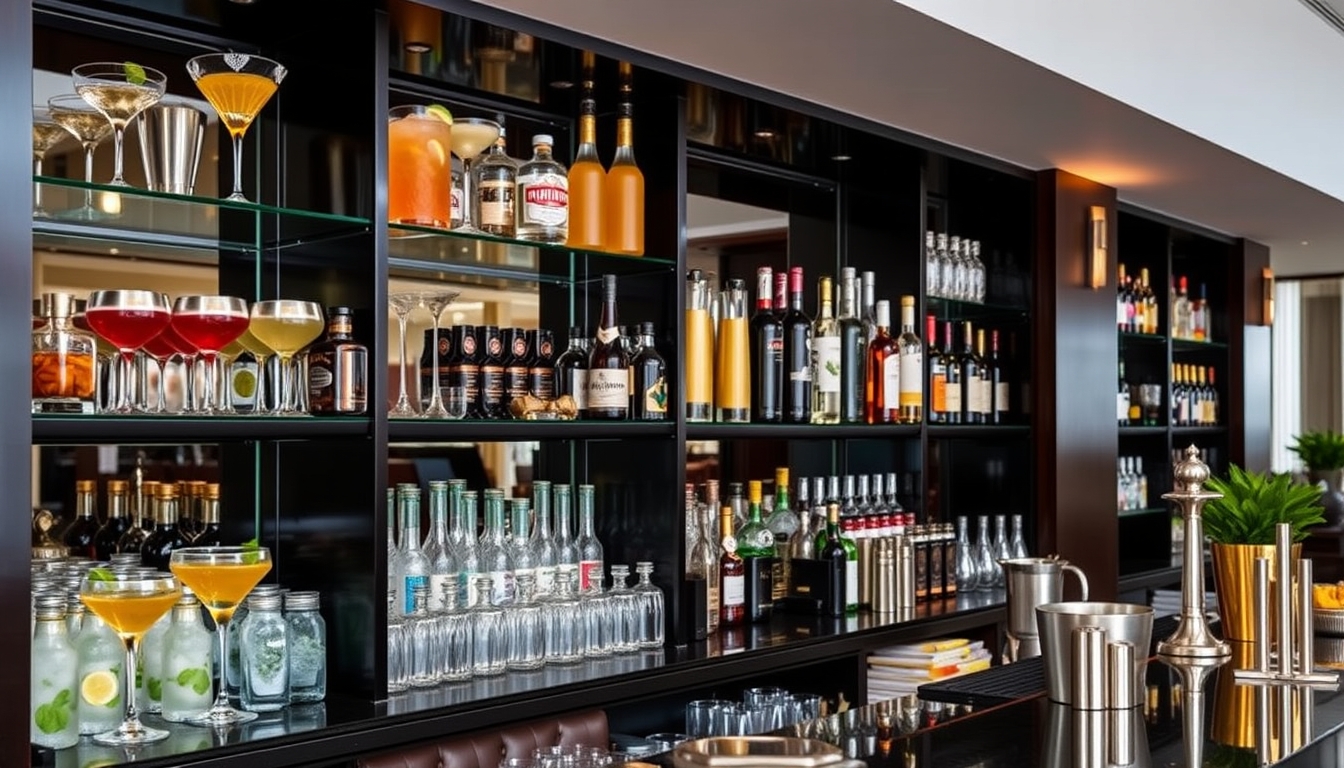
(587, 182)
(699, 349)
(732, 384)
(625, 192)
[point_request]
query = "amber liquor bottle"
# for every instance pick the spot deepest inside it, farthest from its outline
(338, 369)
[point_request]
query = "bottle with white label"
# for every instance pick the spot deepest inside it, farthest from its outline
(495, 184)
(543, 196)
(912, 366)
(494, 550)
(443, 569)
(543, 541)
(732, 575)
(825, 358)
(413, 565)
(881, 397)
(608, 364)
(590, 549)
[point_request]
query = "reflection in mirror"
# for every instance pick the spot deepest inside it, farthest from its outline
(511, 467)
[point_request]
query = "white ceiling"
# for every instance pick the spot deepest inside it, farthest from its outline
(895, 65)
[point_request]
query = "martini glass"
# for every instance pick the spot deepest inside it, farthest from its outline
(221, 577)
(119, 91)
(47, 133)
(87, 125)
(130, 603)
(127, 319)
(237, 85)
(285, 327)
(209, 323)
(471, 136)
(404, 304)
(436, 302)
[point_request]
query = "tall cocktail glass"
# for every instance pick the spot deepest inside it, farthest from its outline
(120, 91)
(403, 304)
(130, 603)
(286, 327)
(419, 167)
(471, 136)
(87, 125)
(237, 85)
(47, 133)
(209, 323)
(436, 302)
(127, 319)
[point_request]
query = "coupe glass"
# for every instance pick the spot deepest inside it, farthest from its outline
(286, 327)
(120, 91)
(221, 577)
(162, 348)
(89, 126)
(436, 302)
(130, 603)
(127, 319)
(403, 304)
(471, 137)
(47, 133)
(209, 323)
(237, 85)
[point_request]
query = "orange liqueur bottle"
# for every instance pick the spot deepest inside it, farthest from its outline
(587, 183)
(625, 191)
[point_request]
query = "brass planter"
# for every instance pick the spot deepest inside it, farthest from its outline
(1233, 578)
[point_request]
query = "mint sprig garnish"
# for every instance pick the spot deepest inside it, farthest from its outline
(101, 574)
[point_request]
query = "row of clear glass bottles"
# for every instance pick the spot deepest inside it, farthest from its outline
(454, 643)
(978, 564)
(524, 543)
(953, 269)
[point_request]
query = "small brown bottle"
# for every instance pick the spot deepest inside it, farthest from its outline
(338, 369)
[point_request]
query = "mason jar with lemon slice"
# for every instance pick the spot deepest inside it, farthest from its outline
(419, 165)
(101, 655)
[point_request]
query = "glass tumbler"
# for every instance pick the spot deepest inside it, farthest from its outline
(700, 717)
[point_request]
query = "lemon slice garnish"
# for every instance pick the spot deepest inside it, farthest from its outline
(99, 688)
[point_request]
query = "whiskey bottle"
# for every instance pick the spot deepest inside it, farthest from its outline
(649, 400)
(608, 377)
(543, 195)
(541, 383)
(338, 369)
(210, 535)
(517, 365)
(495, 183)
(492, 404)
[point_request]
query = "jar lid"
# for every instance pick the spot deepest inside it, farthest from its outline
(301, 601)
(49, 605)
(268, 601)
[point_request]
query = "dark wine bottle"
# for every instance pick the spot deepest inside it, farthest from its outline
(797, 355)
(767, 355)
(517, 357)
(494, 404)
(649, 401)
(608, 364)
(853, 350)
(541, 368)
(971, 412)
(571, 371)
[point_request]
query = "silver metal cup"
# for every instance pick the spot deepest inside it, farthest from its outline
(170, 146)
(1122, 622)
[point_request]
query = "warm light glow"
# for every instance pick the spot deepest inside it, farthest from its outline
(1112, 173)
(1267, 296)
(1096, 266)
(110, 203)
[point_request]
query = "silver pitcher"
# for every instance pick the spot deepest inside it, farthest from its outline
(1033, 581)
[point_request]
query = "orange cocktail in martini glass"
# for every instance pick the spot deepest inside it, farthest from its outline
(221, 577)
(237, 85)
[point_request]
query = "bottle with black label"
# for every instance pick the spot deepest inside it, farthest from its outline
(608, 364)
(338, 369)
(464, 367)
(518, 356)
(649, 399)
(571, 371)
(446, 345)
(541, 368)
(492, 354)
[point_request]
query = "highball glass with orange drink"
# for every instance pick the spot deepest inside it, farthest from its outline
(419, 166)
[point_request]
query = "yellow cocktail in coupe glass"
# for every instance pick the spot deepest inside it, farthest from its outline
(237, 85)
(285, 327)
(130, 604)
(221, 577)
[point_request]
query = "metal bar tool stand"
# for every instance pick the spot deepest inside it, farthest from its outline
(1192, 636)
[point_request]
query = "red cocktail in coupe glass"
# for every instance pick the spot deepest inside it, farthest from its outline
(162, 348)
(127, 319)
(209, 323)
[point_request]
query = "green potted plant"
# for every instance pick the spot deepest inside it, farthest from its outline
(1241, 528)
(1323, 453)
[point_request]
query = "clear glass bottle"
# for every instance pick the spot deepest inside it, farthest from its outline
(455, 631)
(54, 677)
(652, 608)
(961, 269)
(308, 647)
(151, 665)
(543, 195)
(802, 544)
(522, 555)
(494, 550)
(393, 553)
(63, 360)
(396, 645)
(74, 612)
(524, 626)
(562, 614)
(443, 572)
(489, 643)
(978, 274)
(967, 575)
(627, 624)
(1002, 547)
(264, 655)
(468, 550)
(589, 548)
(985, 567)
(600, 635)
(704, 564)
(413, 565)
(947, 267)
(825, 358)
(543, 540)
(101, 653)
(233, 669)
(495, 184)
(932, 275)
(1018, 546)
(422, 630)
(566, 546)
(188, 662)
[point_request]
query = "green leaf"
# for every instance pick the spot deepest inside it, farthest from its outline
(63, 698)
(250, 557)
(1253, 504)
(1320, 451)
(135, 74)
(101, 574)
(115, 703)
(196, 677)
(54, 716)
(155, 688)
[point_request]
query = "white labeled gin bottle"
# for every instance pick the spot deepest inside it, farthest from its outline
(543, 195)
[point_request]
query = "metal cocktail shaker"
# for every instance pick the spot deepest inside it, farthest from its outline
(884, 576)
(170, 146)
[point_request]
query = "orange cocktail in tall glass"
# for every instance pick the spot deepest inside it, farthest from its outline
(130, 604)
(419, 166)
(221, 577)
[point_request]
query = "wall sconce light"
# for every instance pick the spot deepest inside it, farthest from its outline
(1096, 247)
(1266, 296)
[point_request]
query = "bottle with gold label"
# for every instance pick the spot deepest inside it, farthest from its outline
(338, 369)
(650, 398)
(63, 359)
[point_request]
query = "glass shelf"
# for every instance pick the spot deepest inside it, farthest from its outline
(952, 309)
(132, 222)
(50, 429)
(415, 251)
(1191, 345)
